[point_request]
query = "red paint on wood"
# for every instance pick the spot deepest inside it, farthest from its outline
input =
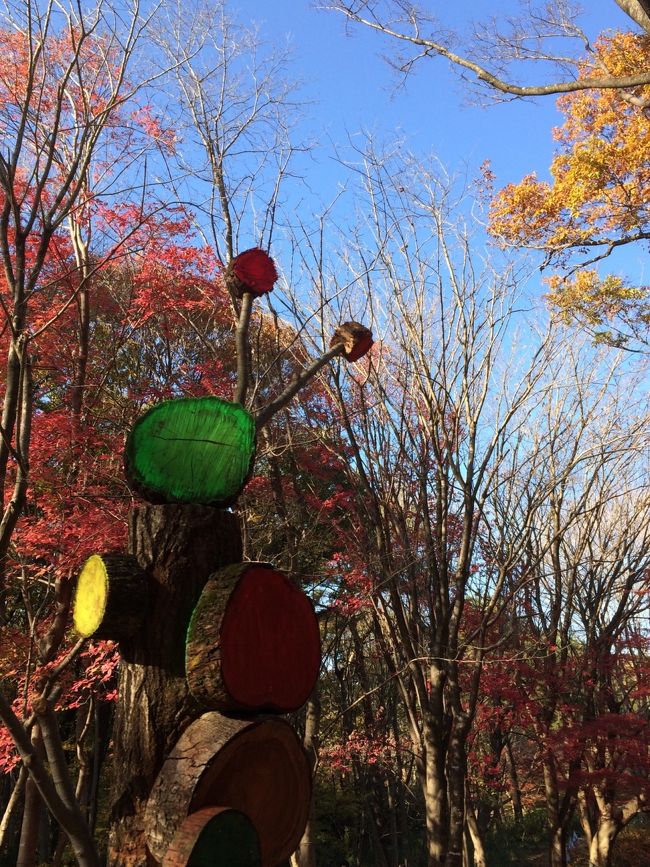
(360, 348)
(270, 642)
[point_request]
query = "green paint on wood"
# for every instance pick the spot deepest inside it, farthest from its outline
(191, 450)
(228, 840)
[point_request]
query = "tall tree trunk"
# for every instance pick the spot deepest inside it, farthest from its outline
(305, 855)
(33, 805)
(456, 785)
(434, 787)
(178, 546)
(557, 853)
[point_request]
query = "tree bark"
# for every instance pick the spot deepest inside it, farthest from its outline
(33, 805)
(456, 783)
(178, 546)
(474, 832)
(434, 788)
(557, 857)
(513, 777)
(600, 849)
(305, 854)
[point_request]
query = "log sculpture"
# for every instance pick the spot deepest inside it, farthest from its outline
(251, 271)
(110, 597)
(257, 766)
(356, 340)
(191, 450)
(179, 547)
(192, 790)
(253, 643)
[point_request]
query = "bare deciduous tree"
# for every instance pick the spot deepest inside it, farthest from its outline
(68, 75)
(453, 466)
(500, 51)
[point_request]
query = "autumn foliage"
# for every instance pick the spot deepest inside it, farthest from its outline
(474, 533)
(597, 197)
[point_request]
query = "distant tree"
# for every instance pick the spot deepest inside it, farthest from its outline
(437, 429)
(595, 202)
(597, 199)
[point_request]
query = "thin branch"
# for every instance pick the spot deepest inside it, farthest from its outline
(243, 348)
(296, 385)
(431, 48)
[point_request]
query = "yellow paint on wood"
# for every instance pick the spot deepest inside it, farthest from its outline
(91, 596)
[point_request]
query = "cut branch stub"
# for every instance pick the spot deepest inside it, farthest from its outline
(110, 598)
(218, 836)
(191, 450)
(253, 642)
(355, 338)
(251, 271)
(258, 767)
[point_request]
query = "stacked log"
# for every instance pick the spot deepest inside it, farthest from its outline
(257, 767)
(253, 644)
(213, 651)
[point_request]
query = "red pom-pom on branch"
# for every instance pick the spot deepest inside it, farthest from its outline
(355, 338)
(251, 271)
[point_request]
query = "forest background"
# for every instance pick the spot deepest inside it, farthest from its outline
(467, 505)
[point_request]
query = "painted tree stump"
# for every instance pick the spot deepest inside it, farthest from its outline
(253, 643)
(110, 597)
(178, 547)
(356, 340)
(251, 271)
(215, 837)
(256, 766)
(191, 450)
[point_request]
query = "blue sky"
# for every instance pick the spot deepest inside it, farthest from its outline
(350, 88)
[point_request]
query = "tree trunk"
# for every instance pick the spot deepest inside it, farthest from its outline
(513, 777)
(32, 809)
(12, 803)
(474, 833)
(435, 800)
(391, 795)
(557, 854)
(600, 848)
(456, 784)
(178, 546)
(305, 854)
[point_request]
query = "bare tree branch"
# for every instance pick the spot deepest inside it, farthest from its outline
(364, 13)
